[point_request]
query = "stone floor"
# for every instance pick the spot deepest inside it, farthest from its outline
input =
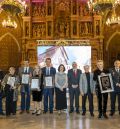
(55, 121)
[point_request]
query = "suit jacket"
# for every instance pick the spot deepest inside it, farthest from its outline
(72, 80)
(5, 79)
(115, 78)
(97, 72)
(1, 75)
(52, 73)
(21, 71)
(84, 83)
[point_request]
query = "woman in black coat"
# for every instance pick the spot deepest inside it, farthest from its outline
(1, 92)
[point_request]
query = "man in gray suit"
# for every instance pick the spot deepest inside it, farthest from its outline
(73, 84)
(87, 89)
(116, 83)
(25, 73)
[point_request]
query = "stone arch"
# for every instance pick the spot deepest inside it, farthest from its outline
(10, 51)
(112, 36)
(14, 38)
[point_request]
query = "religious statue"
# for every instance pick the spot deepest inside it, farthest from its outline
(97, 27)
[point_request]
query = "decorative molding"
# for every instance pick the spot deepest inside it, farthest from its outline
(63, 42)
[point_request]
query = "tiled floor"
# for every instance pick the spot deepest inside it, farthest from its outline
(54, 121)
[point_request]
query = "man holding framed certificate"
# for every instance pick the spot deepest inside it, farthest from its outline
(106, 83)
(102, 97)
(25, 73)
(48, 81)
(49, 76)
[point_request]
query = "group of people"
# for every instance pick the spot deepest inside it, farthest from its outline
(51, 82)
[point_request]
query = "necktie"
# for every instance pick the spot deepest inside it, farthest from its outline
(74, 73)
(47, 71)
(25, 70)
(118, 70)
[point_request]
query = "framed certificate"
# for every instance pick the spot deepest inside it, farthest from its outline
(25, 78)
(35, 84)
(106, 83)
(49, 81)
(11, 81)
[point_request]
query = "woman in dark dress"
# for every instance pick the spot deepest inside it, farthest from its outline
(61, 85)
(37, 93)
(1, 92)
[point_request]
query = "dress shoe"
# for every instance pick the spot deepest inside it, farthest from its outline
(51, 112)
(22, 111)
(7, 115)
(78, 112)
(83, 114)
(27, 111)
(99, 116)
(111, 114)
(2, 113)
(70, 111)
(105, 116)
(44, 112)
(92, 114)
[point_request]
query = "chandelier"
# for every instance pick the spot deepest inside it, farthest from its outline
(100, 5)
(114, 19)
(9, 23)
(103, 7)
(12, 8)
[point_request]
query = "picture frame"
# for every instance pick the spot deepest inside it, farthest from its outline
(106, 83)
(35, 84)
(48, 81)
(25, 78)
(11, 81)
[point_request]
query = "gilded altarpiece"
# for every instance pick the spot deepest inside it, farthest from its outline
(61, 19)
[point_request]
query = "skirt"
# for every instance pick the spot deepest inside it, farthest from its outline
(37, 96)
(61, 102)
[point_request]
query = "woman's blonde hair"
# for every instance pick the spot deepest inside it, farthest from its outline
(39, 72)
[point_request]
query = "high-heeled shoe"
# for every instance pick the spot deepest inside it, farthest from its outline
(59, 112)
(34, 111)
(38, 112)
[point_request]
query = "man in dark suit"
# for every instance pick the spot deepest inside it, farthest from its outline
(1, 77)
(73, 84)
(116, 83)
(26, 70)
(48, 73)
(101, 97)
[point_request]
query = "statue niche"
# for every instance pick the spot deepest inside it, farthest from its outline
(62, 20)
